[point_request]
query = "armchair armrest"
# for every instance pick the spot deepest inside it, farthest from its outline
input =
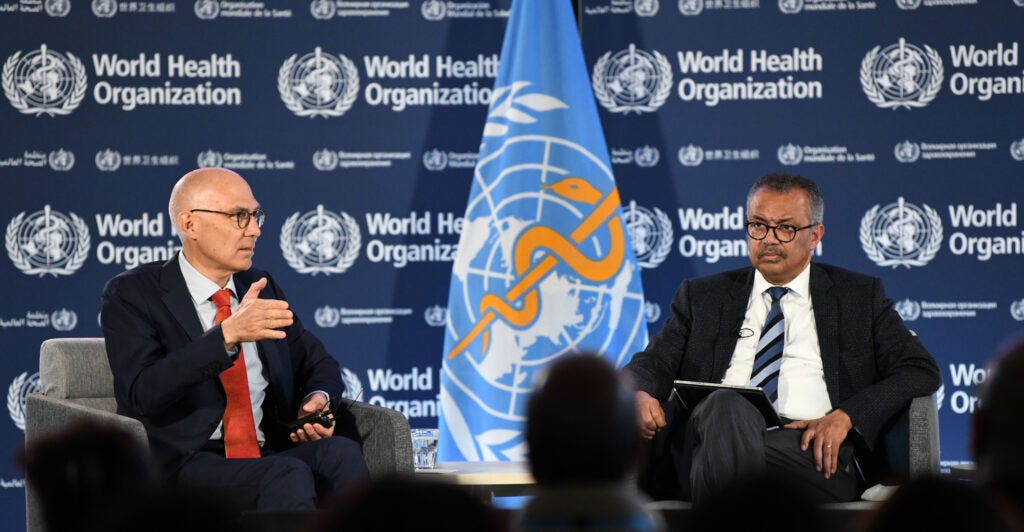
(46, 414)
(382, 432)
(924, 436)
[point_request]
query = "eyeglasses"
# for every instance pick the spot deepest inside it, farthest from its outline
(242, 218)
(783, 233)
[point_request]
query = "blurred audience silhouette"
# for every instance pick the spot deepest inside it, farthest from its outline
(764, 501)
(995, 501)
(94, 477)
(936, 504)
(997, 431)
(88, 476)
(583, 442)
(407, 503)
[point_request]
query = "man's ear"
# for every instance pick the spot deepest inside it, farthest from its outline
(816, 233)
(186, 224)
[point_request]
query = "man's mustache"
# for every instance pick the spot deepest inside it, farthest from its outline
(774, 250)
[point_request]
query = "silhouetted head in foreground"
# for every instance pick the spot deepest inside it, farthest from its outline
(581, 424)
(997, 434)
(87, 476)
(407, 503)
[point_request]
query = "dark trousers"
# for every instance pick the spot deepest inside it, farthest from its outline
(295, 479)
(726, 441)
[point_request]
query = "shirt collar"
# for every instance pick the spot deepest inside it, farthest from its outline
(800, 286)
(200, 288)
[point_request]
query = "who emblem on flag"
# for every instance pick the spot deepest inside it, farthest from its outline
(545, 267)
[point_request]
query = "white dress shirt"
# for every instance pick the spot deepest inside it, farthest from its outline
(201, 290)
(802, 391)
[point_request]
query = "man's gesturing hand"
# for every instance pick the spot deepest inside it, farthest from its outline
(824, 435)
(255, 318)
(649, 414)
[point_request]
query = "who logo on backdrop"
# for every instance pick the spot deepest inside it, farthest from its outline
(632, 80)
(435, 160)
(436, 316)
(652, 311)
(1017, 150)
(206, 9)
(791, 7)
(323, 9)
(790, 154)
(901, 234)
(433, 10)
(353, 386)
(907, 309)
(209, 159)
(907, 152)
(318, 84)
(57, 8)
(104, 8)
(108, 160)
(44, 81)
(47, 242)
(646, 8)
(646, 156)
(1017, 310)
(61, 160)
(327, 316)
(320, 241)
(691, 7)
(64, 320)
(650, 232)
(325, 160)
(20, 387)
(691, 155)
(901, 75)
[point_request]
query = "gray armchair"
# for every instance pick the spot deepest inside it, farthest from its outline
(909, 448)
(77, 384)
(910, 444)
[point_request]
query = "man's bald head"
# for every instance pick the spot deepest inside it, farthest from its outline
(191, 191)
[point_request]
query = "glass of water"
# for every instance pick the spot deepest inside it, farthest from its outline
(424, 448)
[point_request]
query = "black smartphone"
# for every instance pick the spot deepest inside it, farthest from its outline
(322, 417)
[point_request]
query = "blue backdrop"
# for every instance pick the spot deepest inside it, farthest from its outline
(358, 124)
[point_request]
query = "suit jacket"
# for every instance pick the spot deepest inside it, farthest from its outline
(873, 366)
(166, 368)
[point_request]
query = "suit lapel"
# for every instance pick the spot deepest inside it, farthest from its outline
(268, 351)
(826, 321)
(177, 299)
(731, 314)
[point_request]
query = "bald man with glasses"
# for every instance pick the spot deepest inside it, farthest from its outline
(206, 353)
(824, 343)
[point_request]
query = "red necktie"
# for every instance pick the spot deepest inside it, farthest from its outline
(239, 428)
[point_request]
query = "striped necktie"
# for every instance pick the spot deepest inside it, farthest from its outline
(768, 359)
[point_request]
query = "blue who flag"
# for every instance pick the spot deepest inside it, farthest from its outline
(545, 266)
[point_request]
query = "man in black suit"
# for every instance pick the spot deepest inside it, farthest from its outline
(847, 365)
(172, 349)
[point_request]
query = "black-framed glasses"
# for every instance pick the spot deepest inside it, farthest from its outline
(242, 218)
(783, 233)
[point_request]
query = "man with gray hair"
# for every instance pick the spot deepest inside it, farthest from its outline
(207, 355)
(825, 343)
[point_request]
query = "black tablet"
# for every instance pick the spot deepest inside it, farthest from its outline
(692, 392)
